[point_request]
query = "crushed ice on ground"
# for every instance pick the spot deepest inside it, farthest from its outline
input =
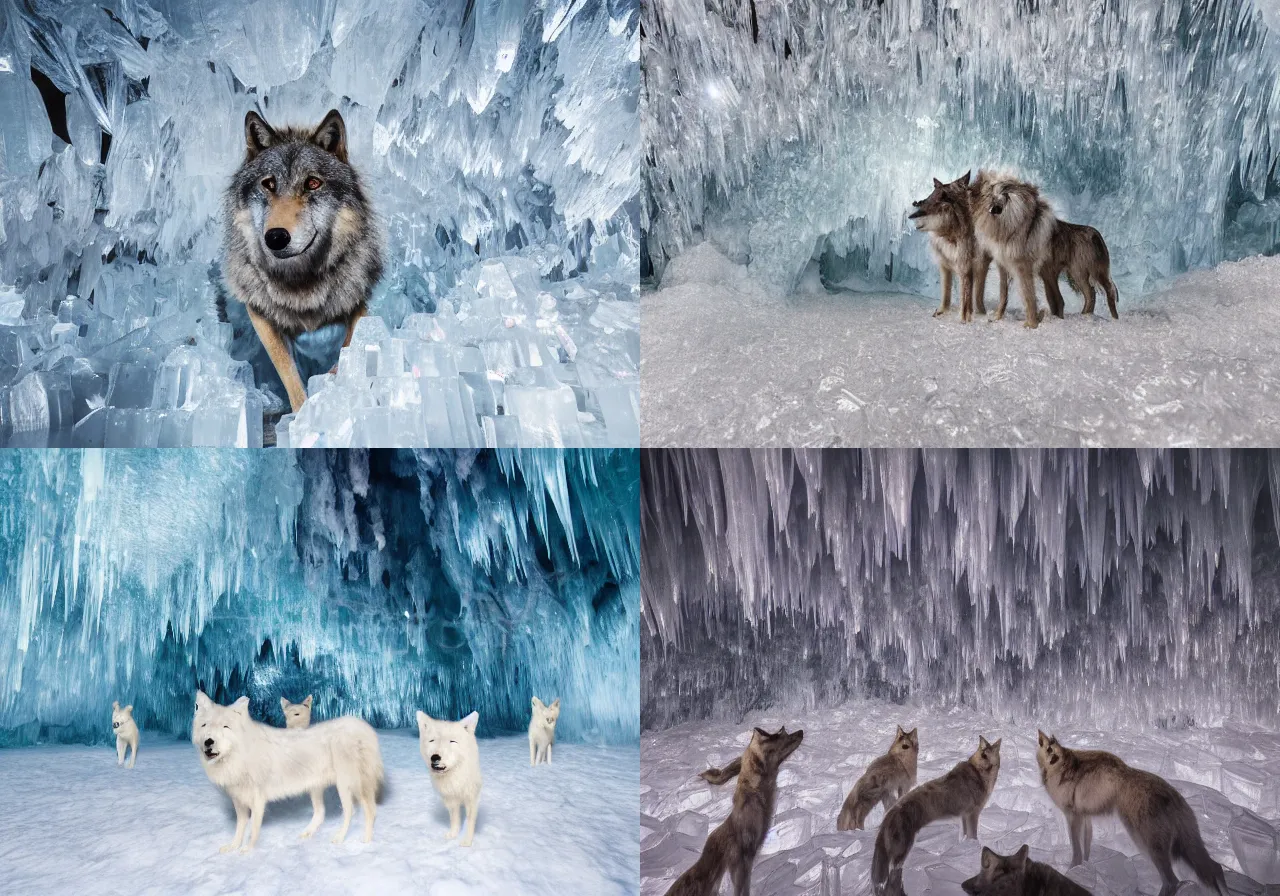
(497, 142)
(86, 826)
(1230, 775)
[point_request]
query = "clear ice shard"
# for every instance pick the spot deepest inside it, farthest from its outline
(1055, 585)
(499, 146)
(379, 581)
(797, 130)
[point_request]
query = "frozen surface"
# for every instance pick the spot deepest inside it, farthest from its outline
(727, 361)
(563, 828)
(805, 854)
(800, 130)
(1058, 585)
(490, 136)
(381, 582)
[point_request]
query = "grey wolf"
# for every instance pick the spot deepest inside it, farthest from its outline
(1084, 783)
(733, 845)
(886, 779)
(542, 730)
(256, 764)
(1018, 875)
(1015, 227)
(300, 246)
(453, 758)
(296, 715)
(962, 792)
(1080, 252)
(946, 215)
(126, 732)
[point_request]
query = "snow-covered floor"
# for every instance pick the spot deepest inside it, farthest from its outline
(1223, 772)
(74, 823)
(724, 362)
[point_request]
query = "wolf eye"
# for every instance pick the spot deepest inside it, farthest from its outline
(314, 183)
(269, 184)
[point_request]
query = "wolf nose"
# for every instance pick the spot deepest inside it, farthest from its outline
(208, 741)
(435, 757)
(277, 238)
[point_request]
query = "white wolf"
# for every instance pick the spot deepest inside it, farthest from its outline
(542, 730)
(126, 731)
(255, 764)
(296, 715)
(453, 757)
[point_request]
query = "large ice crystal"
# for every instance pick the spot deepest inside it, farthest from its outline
(380, 582)
(1107, 586)
(490, 135)
(801, 130)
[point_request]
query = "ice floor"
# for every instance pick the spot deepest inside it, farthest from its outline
(85, 826)
(726, 363)
(1230, 776)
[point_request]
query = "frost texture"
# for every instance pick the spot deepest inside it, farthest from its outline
(797, 130)
(1107, 586)
(489, 134)
(380, 582)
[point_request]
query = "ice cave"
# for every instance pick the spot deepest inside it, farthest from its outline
(497, 142)
(379, 583)
(1123, 600)
(786, 142)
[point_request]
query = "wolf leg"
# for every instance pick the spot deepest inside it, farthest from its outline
(472, 805)
(966, 296)
(120, 746)
(741, 875)
(533, 752)
(1075, 828)
(1004, 292)
(1053, 294)
(1109, 287)
(256, 809)
(1164, 864)
(278, 352)
(369, 805)
(1090, 295)
(454, 823)
(242, 817)
(1086, 835)
(351, 330)
(946, 293)
(133, 753)
(549, 746)
(981, 266)
(317, 814)
(1028, 287)
(344, 797)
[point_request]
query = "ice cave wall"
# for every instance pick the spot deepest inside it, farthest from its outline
(794, 130)
(380, 582)
(482, 129)
(1036, 585)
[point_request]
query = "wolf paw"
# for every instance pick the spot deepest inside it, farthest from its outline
(337, 839)
(367, 838)
(306, 835)
(941, 311)
(466, 842)
(246, 849)
(230, 847)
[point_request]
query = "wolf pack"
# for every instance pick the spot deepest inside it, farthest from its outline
(995, 217)
(1083, 784)
(256, 764)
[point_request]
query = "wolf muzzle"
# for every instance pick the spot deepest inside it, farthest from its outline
(276, 238)
(918, 213)
(435, 763)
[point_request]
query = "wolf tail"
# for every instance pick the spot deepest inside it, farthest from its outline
(1113, 298)
(853, 813)
(720, 775)
(880, 862)
(1190, 848)
(371, 771)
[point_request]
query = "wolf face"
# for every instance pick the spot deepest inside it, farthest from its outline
(999, 874)
(905, 743)
(986, 758)
(772, 749)
(446, 745)
(544, 715)
(296, 715)
(291, 194)
(946, 209)
(1048, 751)
(216, 729)
(1011, 202)
(121, 718)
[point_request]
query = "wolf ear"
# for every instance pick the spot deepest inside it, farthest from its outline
(555, 704)
(202, 700)
(982, 743)
(537, 702)
(963, 179)
(470, 721)
(996, 746)
(129, 708)
(899, 732)
(912, 733)
(422, 718)
(307, 702)
(1043, 738)
(937, 184)
(284, 704)
(115, 704)
(331, 135)
(1021, 855)
(258, 135)
(241, 706)
(988, 858)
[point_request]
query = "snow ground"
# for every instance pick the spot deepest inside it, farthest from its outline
(724, 362)
(805, 854)
(81, 825)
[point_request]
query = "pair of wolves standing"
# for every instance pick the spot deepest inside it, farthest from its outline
(996, 217)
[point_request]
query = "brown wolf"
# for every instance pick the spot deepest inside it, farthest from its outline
(1084, 783)
(301, 249)
(1018, 875)
(733, 845)
(1080, 252)
(1015, 226)
(947, 216)
(886, 779)
(962, 792)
